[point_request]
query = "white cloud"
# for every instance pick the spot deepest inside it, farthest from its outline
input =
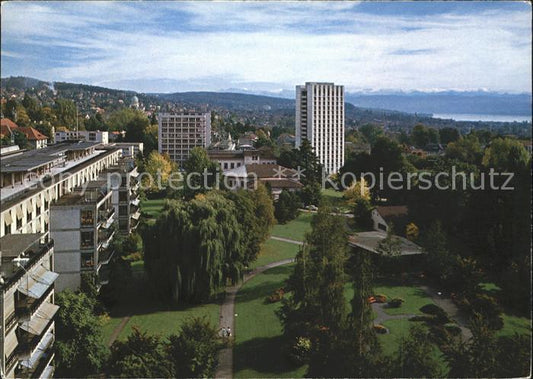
(117, 42)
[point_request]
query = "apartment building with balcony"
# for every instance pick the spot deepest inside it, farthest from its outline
(82, 225)
(123, 180)
(179, 133)
(30, 181)
(320, 120)
(27, 306)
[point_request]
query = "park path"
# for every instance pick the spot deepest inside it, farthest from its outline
(120, 327)
(453, 311)
(283, 239)
(227, 318)
(382, 316)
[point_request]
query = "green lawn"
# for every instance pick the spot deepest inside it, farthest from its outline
(108, 326)
(273, 251)
(166, 322)
(152, 207)
(515, 324)
(154, 318)
(414, 298)
(259, 337)
(294, 229)
(398, 329)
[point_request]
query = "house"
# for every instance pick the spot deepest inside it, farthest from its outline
(6, 128)
(385, 216)
(36, 139)
(409, 254)
(276, 178)
(230, 159)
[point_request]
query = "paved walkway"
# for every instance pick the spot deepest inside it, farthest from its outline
(120, 327)
(286, 240)
(382, 316)
(453, 311)
(227, 318)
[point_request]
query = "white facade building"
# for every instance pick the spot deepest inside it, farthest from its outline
(179, 133)
(320, 120)
(85, 135)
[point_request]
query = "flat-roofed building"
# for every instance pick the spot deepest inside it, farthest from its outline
(31, 180)
(179, 133)
(320, 120)
(83, 135)
(130, 149)
(27, 306)
(230, 159)
(82, 224)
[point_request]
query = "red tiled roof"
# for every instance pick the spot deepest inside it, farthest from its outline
(32, 134)
(9, 123)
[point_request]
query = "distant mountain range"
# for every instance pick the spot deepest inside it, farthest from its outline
(443, 102)
(438, 102)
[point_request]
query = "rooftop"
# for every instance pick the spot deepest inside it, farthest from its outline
(369, 241)
(32, 134)
(13, 245)
(19, 191)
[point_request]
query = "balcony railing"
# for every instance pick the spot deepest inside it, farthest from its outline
(105, 236)
(106, 217)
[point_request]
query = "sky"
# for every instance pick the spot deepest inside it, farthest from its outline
(271, 46)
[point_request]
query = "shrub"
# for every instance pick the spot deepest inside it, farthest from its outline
(440, 314)
(276, 296)
(422, 318)
(300, 350)
(380, 298)
(453, 329)
(487, 306)
(396, 302)
(380, 329)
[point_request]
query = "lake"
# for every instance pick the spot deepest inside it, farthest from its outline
(482, 117)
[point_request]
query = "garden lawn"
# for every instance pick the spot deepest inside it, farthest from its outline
(294, 229)
(108, 326)
(515, 324)
(153, 207)
(155, 318)
(166, 322)
(399, 329)
(258, 350)
(414, 298)
(273, 251)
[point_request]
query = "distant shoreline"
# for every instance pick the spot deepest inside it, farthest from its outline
(482, 117)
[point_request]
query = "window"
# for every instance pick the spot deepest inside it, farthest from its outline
(87, 217)
(87, 239)
(123, 196)
(7, 229)
(123, 224)
(87, 260)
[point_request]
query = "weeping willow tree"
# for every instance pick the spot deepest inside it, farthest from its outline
(195, 247)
